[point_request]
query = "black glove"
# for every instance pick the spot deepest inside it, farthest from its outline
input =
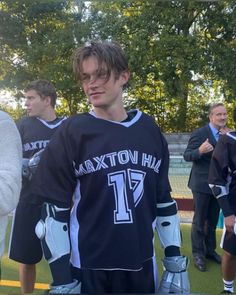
(30, 165)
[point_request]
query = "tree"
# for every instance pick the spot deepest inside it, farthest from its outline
(170, 52)
(37, 41)
(181, 53)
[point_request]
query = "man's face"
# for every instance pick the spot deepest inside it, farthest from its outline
(218, 117)
(36, 106)
(102, 93)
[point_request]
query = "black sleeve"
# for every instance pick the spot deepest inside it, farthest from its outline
(192, 151)
(55, 179)
(163, 184)
(219, 172)
(164, 195)
(20, 127)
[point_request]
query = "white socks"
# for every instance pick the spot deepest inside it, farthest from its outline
(228, 285)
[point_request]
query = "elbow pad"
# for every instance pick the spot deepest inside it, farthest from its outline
(168, 225)
(219, 190)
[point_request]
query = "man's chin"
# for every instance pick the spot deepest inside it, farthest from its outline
(97, 104)
(31, 115)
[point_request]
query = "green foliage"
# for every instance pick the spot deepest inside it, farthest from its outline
(42, 44)
(15, 113)
(170, 54)
(181, 53)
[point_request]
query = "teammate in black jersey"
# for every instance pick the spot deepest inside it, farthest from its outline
(105, 174)
(222, 180)
(36, 131)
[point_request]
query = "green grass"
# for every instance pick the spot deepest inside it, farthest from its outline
(209, 282)
(10, 271)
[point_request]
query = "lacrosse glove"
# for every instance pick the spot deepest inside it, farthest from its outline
(30, 165)
(72, 288)
(175, 276)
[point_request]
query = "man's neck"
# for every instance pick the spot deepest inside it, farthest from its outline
(213, 126)
(112, 114)
(48, 116)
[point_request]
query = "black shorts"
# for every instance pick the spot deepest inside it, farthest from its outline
(25, 246)
(118, 281)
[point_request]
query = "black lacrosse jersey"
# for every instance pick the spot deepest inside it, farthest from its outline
(223, 167)
(35, 135)
(116, 172)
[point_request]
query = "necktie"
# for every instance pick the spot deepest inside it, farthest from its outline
(217, 135)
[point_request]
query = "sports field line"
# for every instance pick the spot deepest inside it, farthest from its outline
(8, 283)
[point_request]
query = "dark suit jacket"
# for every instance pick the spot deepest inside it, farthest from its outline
(198, 179)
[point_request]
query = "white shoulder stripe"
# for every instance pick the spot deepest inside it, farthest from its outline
(52, 126)
(133, 120)
(164, 205)
(125, 124)
(231, 135)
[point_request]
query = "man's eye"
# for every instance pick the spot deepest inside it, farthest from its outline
(85, 78)
(102, 75)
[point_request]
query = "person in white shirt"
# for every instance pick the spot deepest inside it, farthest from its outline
(10, 171)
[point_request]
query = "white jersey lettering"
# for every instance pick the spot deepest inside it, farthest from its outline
(118, 158)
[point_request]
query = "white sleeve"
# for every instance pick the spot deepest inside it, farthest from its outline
(10, 164)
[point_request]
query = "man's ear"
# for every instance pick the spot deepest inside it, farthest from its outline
(48, 100)
(124, 77)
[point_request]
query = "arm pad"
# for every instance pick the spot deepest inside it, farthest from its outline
(168, 225)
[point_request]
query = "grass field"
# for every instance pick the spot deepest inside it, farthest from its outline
(208, 282)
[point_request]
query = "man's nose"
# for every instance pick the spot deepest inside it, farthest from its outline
(93, 83)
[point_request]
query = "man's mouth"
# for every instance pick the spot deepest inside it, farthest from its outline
(95, 93)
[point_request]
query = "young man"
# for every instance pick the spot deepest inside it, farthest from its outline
(10, 172)
(222, 180)
(36, 130)
(106, 174)
(206, 209)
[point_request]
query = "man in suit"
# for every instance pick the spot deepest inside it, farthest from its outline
(206, 209)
